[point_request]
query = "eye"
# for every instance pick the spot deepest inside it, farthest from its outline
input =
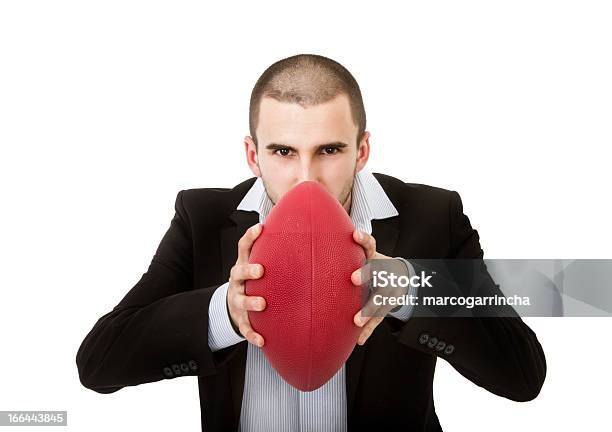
(333, 151)
(284, 151)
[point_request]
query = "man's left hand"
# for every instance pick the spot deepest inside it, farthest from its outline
(368, 322)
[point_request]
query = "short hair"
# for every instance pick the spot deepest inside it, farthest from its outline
(307, 79)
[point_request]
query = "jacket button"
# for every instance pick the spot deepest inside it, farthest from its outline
(184, 367)
(432, 342)
(440, 346)
(423, 338)
(168, 372)
(449, 349)
(193, 365)
(176, 369)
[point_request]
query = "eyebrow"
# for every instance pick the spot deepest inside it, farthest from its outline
(335, 144)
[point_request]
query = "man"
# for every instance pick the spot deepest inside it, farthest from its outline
(187, 316)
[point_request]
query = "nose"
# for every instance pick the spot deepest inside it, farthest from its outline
(307, 172)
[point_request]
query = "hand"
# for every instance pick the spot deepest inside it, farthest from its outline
(370, 315)
(238, 303)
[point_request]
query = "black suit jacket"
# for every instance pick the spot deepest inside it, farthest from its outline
(159, 330)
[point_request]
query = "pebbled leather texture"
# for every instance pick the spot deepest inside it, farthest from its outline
(308, 253)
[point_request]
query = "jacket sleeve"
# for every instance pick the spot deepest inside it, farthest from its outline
(159, 330)
(501, 354)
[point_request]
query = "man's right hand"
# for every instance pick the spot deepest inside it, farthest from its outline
(238, 303)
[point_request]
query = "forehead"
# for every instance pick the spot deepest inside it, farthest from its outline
(284, 121)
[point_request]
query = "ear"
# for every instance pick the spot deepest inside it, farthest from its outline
(251, 155)
(363, 151)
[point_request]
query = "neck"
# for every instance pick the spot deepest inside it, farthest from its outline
(347, 204)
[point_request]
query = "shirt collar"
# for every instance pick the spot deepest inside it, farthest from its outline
(369, 201)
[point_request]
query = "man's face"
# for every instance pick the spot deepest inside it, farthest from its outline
(315, 143)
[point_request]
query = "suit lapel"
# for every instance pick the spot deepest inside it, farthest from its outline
(230, 235)
(386, 233)
(240, 221)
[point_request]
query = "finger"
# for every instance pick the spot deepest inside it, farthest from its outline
(248, 303)
(246, 242)
(361, 275)
(369, 310)
(242, 272)
(367, 242)
(249, 334)
(359, 319)
(369, 329)
(362, 317)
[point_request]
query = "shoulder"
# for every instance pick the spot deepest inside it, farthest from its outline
(210, 202)
(433, 217)
(414, 196)
(219, 194)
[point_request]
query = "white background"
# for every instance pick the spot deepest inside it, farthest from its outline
(108, 109)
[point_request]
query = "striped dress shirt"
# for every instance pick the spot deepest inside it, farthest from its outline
(268, 403)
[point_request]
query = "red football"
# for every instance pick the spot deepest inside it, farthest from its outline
(308, 253)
